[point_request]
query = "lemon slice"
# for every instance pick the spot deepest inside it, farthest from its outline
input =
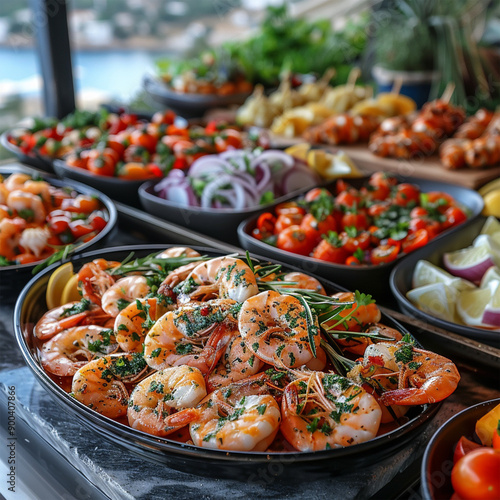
(492, 203)
(491, 186)
(480, 307)
(57, 281)
(491, 226)
(436, 299)
(299, 150)
(426, 273)
(70, 292)
(491, 275)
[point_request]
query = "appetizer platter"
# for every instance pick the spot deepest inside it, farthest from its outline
(44, 219)
(252, 369)
(442, 282)
(351, 232)
(462, 457)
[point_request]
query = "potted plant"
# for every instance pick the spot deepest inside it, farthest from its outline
(426, 44)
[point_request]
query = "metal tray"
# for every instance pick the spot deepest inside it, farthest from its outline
(213, 463)
(401, 278)
(33, 159)
(372, 279)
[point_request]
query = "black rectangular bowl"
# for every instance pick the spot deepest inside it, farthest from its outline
(401, 280)
(368, 278)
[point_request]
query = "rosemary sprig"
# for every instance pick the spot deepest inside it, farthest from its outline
(343, 334)
(341, 364)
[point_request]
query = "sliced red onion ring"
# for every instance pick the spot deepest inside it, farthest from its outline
(272, 156)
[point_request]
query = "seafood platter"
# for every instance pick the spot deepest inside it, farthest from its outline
(187, 357)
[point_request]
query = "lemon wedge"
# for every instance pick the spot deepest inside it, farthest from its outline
(70, 292)
(299, 150)
(57, 282)
(426, 273)
(481, 307)
(436, 299)
(492, 203)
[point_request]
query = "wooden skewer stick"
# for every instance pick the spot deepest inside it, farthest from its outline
(448, 92)
(354, 74)
(396, 87)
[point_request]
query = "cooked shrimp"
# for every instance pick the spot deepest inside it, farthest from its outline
(176, 276)
(27, 205)
(134, 322)
(66, 316)
(276, 327)
(303, 281)
(318, 363)
(10, 234)
(178, 252)
(16, 181)
(100, 384)
(357, 345)
(237, 362)
(73, 348)
(94, 280)
(241, 417)
(155, 397)
(39, 188)
(123, 292)
(34, 240)
(4, 192)
(223, 277)
(324, 410)
(195, 335)
(422, 376)
(358, 316)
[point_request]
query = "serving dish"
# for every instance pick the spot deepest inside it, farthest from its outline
(13, 278)
(215, 463)
(188, 105)
(31, 158)
(438, 457)
(369, 278)
(401, 280)
(118, 189)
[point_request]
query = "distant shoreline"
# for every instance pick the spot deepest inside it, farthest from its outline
(100, 48)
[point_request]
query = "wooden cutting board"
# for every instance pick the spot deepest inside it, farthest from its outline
(424, 168)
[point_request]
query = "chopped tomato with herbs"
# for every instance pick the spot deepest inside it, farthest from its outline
(294, 239)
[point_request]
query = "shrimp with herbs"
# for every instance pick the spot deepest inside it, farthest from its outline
(302, 281)
(10, 235)
(194, 334)
(94, 279)
(157, 396)
(134, 322)
(121, 293)
(102, 384)
(417, 376)
(223, 278)
(324, 410)
(70, 350)
(29, 206)
(278, 328)
(72, 314)
(242, 417)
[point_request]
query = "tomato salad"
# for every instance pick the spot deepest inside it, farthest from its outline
(371, 225)
(121, 145)
(38, 219)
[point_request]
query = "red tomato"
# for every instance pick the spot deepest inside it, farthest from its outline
(433, 228)
(463, 447)
(384, 253)
(348, 198)
(357, 220)
(229, 138)
(476, 475)
(382, 179)
(352, 261)
(166, 117)
(418, 212)
(415, 240)
(58, 224)
(350, 243)
(289, 207)
(80, 228)
(315, 193)
(329, 252)
(266, 223)
(286, 220)
(81, 204)
(376, 192)
(100, 164)
(97, 221)
(316, 228)
(418, 223)
(454, 216)
(406, 194)
(142, 138)
(439, 197)
(377, 209)
(496, 437)
(294, 239)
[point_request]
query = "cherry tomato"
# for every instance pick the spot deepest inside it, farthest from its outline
(286, 220)
(315, 193)
(82, 204)
(141, 138)
(496, 437)
(266, 223)
(441, 198)
(357, 220)
(377, 209)
(352, 241)
(463, 447)
(376, 192)
(433, 228)
(348, 199)
(406, 194)
(418, 223)
(415, 240)
(97, 221)
(383, 178)
(294, 239)
(329, 252)
(316, 228)
(384, 253)
(80, 228)
(454, 216)
(475, 476)
(352, 261)
(418, 212)
(229, 138)
(289, 207)
(58, 224)
(100, 164)
(166, 117)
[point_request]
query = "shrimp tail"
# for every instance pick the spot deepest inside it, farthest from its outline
(181, 419)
